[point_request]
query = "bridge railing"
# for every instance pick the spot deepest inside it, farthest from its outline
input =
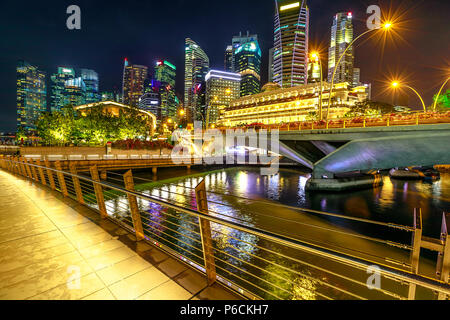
(257, 262)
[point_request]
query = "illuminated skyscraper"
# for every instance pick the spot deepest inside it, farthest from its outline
(90, 79)
(228, 63)
(221, 88)
(291, 43)
(248, 64)
(196, 69)
(341, 37)
(134, 77)
(31, 95)
(271, 51)
(74, 92)
(313, 71)
(58, 86)
(165, 75)
(237, 42)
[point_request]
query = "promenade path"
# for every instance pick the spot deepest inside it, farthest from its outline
(53, 248)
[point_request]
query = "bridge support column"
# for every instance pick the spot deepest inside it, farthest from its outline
(205, 232)
(134, 208)
(98, 192)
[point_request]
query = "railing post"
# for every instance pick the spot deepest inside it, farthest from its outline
(205, 231)
(41, 172)
(134, 208)
(62, 182)
(417, 119)
(27, 168)
(76, 182)
(98, 192)
(15, 165)
(51, 180)
(443, 265)
(33, 169)
(415, 253)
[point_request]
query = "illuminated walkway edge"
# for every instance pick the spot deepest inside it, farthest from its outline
(49, 250)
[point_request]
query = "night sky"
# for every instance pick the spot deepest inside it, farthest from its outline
(145, 31)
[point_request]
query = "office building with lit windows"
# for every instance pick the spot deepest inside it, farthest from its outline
(165, 76)
(275, 105)
(31, 95)
(91, 81)
(313, 72)
(134, 77)
(237, 42)
(74, 92)
(196, 69)
(341, 37)
(228, 62)
(291, 28)
(221, 88)
(248, 64)
(58, 87)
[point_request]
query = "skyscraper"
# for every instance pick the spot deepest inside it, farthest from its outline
(291, 42)
(221, 88)
(90, 79)
(196, 69)
(74, 92)
(31, 95)
(228, 63)
(313, 71)
(341, 37)
(271, 51)
(237, 42)
(248, 64)
(58, 87)
(165, 76)
(134, 77)
(356, 77)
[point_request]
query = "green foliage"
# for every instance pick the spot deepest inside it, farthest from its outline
(96, 127)
(443, 102)
(368, 108)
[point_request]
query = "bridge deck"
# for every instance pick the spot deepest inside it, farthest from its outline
(48, 243)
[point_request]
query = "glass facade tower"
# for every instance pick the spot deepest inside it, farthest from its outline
(58, 87)
(31, 95)
(290, 43)
(248, 64)
(90, 79)
(134, 77)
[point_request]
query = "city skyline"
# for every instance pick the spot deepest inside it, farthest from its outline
(215, 49)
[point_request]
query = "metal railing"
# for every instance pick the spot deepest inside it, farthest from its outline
(256, 262)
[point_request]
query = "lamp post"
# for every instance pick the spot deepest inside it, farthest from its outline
(396, 84)
(315, 57)
(439, 93)
(387, 26)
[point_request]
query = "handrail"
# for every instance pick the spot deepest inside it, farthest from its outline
(387, 271)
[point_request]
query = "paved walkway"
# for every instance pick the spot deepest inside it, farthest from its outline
(53, 248)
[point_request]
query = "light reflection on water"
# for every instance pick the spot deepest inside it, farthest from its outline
(393, 202)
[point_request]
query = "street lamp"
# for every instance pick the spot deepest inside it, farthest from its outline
(396, 84)
(439, 93)
(316, 58)
(386, 27)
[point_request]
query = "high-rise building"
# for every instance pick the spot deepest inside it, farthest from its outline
(165, 76)
(74, 92)
(271, 51)
(58, 87)
(356, 77)
(134, 77)
(341, 37)
(228, 63)
(31, 95)
(90, 79)
(248, 64)
(291, 43)
(237, 42)
(151, 101)
(313, 72)
(221, 88)
(196, 69)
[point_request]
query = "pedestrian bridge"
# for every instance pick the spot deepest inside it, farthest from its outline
(324, 260)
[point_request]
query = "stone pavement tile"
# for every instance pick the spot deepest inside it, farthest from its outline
(100, 248)
(136, 285)
(24, 232)
(111, 257)
(167, 291)
(44, 282)
(154, 256)
(172, 267)
(86, 242)
(216, 292)
(36, 257)
(87, 285)
(43, 266)
(36, 239)
(122, 270)
(103, 294)
(191, 280)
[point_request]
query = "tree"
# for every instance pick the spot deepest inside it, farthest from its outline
(443, 103)
(368, 107)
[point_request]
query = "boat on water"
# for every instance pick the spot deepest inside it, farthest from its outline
(415, 173)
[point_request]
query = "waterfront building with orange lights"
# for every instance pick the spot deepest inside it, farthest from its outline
(275, 105)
